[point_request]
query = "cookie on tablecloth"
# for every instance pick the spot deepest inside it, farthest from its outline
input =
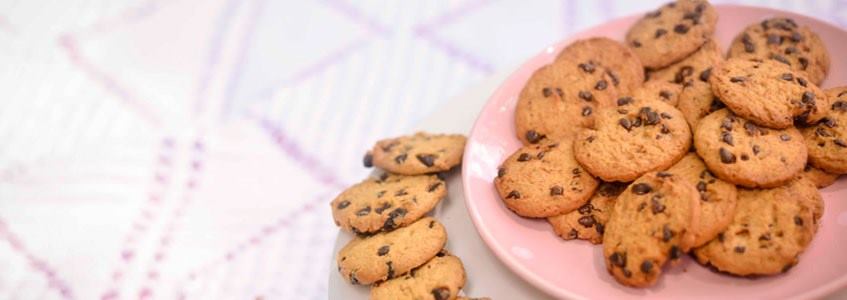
(421, 153)
(782, 40)
(717, 197)
(770, 229)
(768, 93)
(386, 202)
(604, 55)
(652, 222)
(634, 138)
(544, 180)
(589, 220)
(827, 141)
(743, 153)
(441, 279)
(366, 260)
(672, 32)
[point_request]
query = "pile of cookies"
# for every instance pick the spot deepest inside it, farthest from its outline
(398, 250)
(663, 146)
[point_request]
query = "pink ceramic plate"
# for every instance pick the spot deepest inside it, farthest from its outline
(575, 269)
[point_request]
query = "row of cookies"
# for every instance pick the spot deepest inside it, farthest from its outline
(694, 202)
(398, 250)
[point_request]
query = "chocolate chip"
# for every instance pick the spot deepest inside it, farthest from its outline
(737, 79)
(683, 73)
(646, 267)
(600, 228)
(784, 137)
(364, 211)
(382, 208)
(839, 106)
(513, 195)
(601, 85)
(774, 39)
(726, 137)
(586, 95)
(636, 123)
(400, 158)
(749, 47)
(765, 237)
(441, 293)
(585, 209)
(802, 82)
(586, 111)
(380, 194)
(667, 233)
(663, 174)
(680, 28)
(665, 129)
(666, 115)
(790, 50)
(726, 156)
(343, 204)
(701, 186)
(693, 16)
(787, 77)
(625, 124)
(704, 76)
(665, 94)
(656, 205)
(433, 187)
(383, 250)
(614, 77)
(829, 122)
(353, 279)
(391, 222)
(642, 206)
(556, 190)
(627, 100)
(675, 252)
(820, 131)
(660, 32)
(840, 143)
(587, 221)
(427, 159)
(726, 124)
(641, 188)
(368, 160)
(796, 37)
(524, 157)
(781, 59)
(618, 259)
(744, 157)
(740, 249)
(626, 273)
(546, 92)
(798, 221)
(804, 63)
(390, 270)
(587, 67)
(431, 224)
(808, 97)
(533, 137)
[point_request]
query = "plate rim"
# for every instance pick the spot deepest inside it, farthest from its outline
(499, 92)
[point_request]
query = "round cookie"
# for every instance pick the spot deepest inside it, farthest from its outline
(601, 54)
(387, 202)
(659, 90)
(672, 32)
(820, 178)
(441, 278)
(768, 93)
(544, 180)
(783, 41)
(652, 222)
(827, 140)
(421, 153)
(769, 231)
(366, 260)
(634, 138)
(717, 197)
(589, 221)
(740, 152)
(559, 99)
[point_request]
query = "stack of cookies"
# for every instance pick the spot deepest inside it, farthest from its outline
(663, 146)
(398, 250)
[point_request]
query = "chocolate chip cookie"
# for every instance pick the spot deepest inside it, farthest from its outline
(560, 99)
(743, 153)
(441, 278)
(634, 138)
(544, 180)
(589, 221)
(652, 222)
(382, 256)
(386, 202)
(768, 93)
(672, 32)
(817, 176)
(827, 141)
(421, 153)
(717, 197)
(607, 56)
(782, 40)
(770, 229)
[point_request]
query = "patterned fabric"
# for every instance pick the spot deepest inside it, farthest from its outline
(188, 149)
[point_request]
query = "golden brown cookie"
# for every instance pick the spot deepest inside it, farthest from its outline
(770, 229)
(782, 40)
(827, 140)
(601, 54)
(768, 93)
(672, 32)
(740, 152)
(544, 180)
(652, 222)
(382, 256)
(386, 202)
(634, 138)
(560, 99)
(440, 279)
(589, 220)
(421, 153)
(717, 197)
(817, 176)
